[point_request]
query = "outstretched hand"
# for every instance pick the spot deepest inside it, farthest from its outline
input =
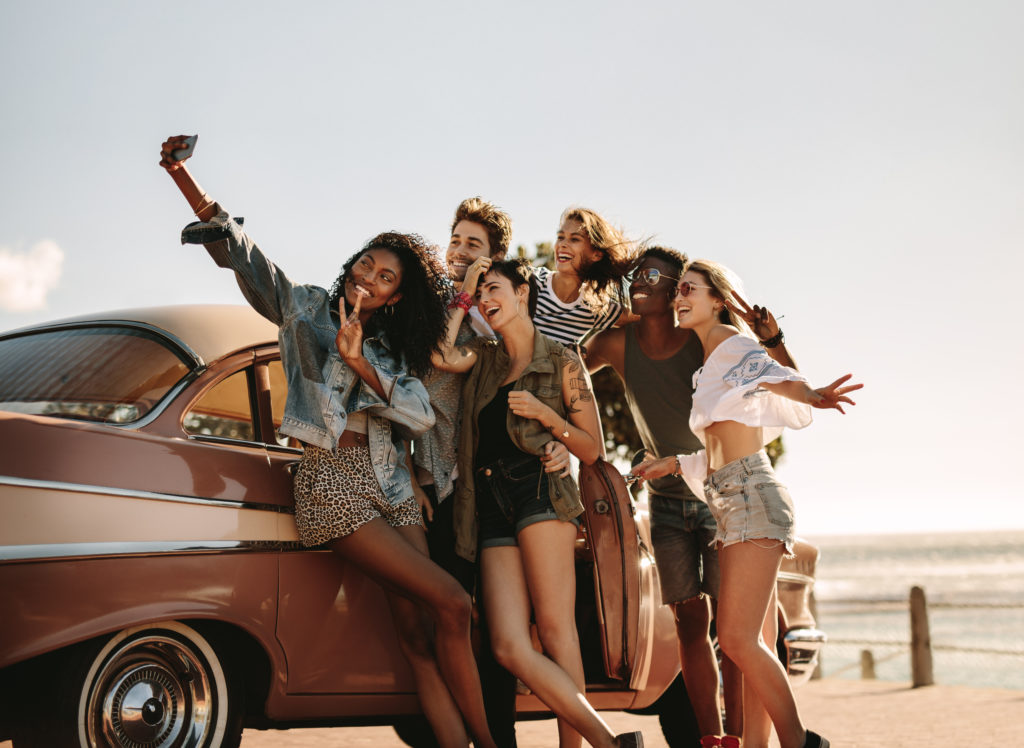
(172, 144)
(652, 468)
(759, 318)
(350, 334)
(834, 395)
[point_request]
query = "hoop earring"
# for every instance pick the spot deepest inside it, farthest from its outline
(390, 310)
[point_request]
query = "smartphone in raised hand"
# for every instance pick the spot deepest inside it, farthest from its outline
(189, 144)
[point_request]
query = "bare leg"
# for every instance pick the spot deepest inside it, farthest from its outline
(388, 555)
(732, 687)
(697, 656)
(547, 550)
(757, 725)
(415, 636)
(748, 583)
(507, 606)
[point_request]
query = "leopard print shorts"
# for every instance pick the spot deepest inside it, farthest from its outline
(336, 493)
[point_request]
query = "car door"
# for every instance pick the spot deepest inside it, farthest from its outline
(333, 622)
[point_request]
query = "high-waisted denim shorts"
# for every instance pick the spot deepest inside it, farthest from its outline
(511, 494)
(749, 503)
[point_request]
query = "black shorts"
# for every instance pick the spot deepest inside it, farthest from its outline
(511, 494)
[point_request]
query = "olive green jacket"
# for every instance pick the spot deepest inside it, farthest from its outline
(543, 378)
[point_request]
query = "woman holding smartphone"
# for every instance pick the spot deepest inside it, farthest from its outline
(521, 395)
(742, 400)
(351, 357)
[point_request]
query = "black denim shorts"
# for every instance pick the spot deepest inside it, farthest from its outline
(511, 494)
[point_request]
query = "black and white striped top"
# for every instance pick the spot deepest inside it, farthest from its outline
(567, 323)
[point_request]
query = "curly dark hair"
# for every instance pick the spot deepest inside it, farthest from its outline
(520, 272)
(415, 324)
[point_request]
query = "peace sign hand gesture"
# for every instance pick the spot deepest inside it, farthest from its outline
(350, 334)
(833, 395)
(760, 319)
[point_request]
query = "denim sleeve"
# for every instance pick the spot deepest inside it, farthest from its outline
(263, 284)
(407, 404)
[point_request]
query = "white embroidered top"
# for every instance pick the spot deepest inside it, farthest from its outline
(728, 388)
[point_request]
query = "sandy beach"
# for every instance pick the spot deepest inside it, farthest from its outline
(851, 713)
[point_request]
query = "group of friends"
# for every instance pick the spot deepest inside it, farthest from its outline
(439, 406)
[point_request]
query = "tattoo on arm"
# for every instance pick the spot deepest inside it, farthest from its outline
(583, 388)
(570, 359)
(464, 352)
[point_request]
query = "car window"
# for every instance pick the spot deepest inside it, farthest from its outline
(108, 374)
(224, 410)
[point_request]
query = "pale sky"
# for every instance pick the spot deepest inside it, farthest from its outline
(859, 165)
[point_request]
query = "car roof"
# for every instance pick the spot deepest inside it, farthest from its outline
(210, 331)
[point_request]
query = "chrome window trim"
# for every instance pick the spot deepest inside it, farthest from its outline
(69, 551)
(224, 441)
(136, 494)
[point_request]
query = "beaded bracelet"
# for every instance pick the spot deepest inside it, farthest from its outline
(774, 340)
(461, 300)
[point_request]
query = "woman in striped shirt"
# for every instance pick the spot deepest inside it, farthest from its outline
(584, 290)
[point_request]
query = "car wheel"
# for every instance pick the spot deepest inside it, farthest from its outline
(152, 686)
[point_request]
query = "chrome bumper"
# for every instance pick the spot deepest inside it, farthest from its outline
(802, 647)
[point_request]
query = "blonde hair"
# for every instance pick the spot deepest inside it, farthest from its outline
(725, 284)
(618, 254)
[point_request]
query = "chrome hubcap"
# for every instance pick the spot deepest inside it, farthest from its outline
(151, 692)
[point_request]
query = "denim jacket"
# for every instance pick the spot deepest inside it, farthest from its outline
(322, 390)
(543, 378)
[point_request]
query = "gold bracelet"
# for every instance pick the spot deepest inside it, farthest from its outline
(565, 427)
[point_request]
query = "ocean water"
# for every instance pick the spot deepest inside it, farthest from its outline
(974, 586)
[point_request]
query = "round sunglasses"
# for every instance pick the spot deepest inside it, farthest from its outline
(684, 288)
(650, 276)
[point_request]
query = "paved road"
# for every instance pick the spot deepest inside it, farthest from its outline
(851, 713)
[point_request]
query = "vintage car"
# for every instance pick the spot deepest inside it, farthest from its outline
(154, 592)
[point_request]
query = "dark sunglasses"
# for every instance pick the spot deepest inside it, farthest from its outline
(684, 288)
(650, 276)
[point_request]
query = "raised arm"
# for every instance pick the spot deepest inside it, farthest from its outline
(201, 204)
(452, 357)
(765, 327)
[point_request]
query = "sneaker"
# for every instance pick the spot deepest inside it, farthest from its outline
(630, 740)
(814, 740)
(710, 741)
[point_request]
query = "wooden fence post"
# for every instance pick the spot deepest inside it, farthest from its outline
(867, 664)
(920, 640)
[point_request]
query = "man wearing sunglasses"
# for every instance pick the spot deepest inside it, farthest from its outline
(656, 361)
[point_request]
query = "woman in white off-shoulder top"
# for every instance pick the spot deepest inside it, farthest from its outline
(742, 400)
